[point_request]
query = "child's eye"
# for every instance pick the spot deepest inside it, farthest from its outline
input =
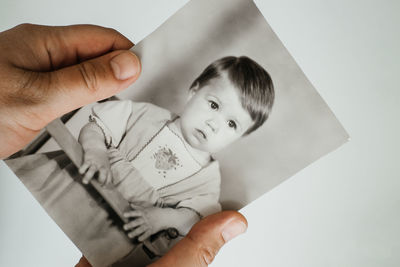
(213, 105)
(232, 124)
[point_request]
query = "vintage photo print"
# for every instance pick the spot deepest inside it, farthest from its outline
(220, 115)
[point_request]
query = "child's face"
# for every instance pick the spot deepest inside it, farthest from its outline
(214, 117)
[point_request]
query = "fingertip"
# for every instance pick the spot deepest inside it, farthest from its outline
(83, 262)
(81, 170)
(102, 178)
(233, 229)
(125, 65)
(142, 238)
(83, 167)
(120, 40)
(234, 215)
(232, 224)
(122, 43)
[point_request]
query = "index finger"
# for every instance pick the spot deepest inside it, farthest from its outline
(55, 47)
(89, 174)
(81, 42)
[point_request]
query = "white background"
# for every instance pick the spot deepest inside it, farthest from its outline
(343, 210)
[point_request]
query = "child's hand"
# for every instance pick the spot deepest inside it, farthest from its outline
(95, 160)
(146, 221)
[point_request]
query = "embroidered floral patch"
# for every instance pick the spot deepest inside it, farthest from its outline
(166, 160)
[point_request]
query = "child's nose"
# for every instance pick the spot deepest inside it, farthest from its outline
(213, 125)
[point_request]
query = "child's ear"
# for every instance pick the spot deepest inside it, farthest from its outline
(190, 95)
(192, 91)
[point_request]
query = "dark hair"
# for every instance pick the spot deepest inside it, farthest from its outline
(253, 82)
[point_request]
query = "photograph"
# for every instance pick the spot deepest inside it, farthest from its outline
(220, 115)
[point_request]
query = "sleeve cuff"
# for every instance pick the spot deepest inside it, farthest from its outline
(106, 133)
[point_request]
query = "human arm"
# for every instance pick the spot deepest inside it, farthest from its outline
(102, 132)
(95, 158)
(147, 221)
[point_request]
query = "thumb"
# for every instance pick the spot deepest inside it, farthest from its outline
(91, 80)
(204, 240)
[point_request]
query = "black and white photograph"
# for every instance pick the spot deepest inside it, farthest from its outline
(220, 115)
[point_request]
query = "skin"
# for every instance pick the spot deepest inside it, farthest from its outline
(147, 221)
(214, 117)
(48, 71)
(95, 158)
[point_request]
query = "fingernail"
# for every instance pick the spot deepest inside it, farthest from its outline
(125, 65)
(233, 229)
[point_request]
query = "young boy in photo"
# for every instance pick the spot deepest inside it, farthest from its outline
(160, 162)
(163, 162)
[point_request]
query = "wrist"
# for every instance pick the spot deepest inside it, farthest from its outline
(94, 149)
(91, 138)
(180, 219)
(165, 221)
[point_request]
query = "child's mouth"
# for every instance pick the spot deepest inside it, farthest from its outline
(201, 134)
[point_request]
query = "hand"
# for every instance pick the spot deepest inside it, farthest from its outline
(202, 243)
(146, 221)
(96, 161)
(46, 72)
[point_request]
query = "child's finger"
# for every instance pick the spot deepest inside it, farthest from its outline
(89, 174)
(133, 224)
(137, 232)
(102, 176)
(133, 214)
(84, 167)
(144, 236)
